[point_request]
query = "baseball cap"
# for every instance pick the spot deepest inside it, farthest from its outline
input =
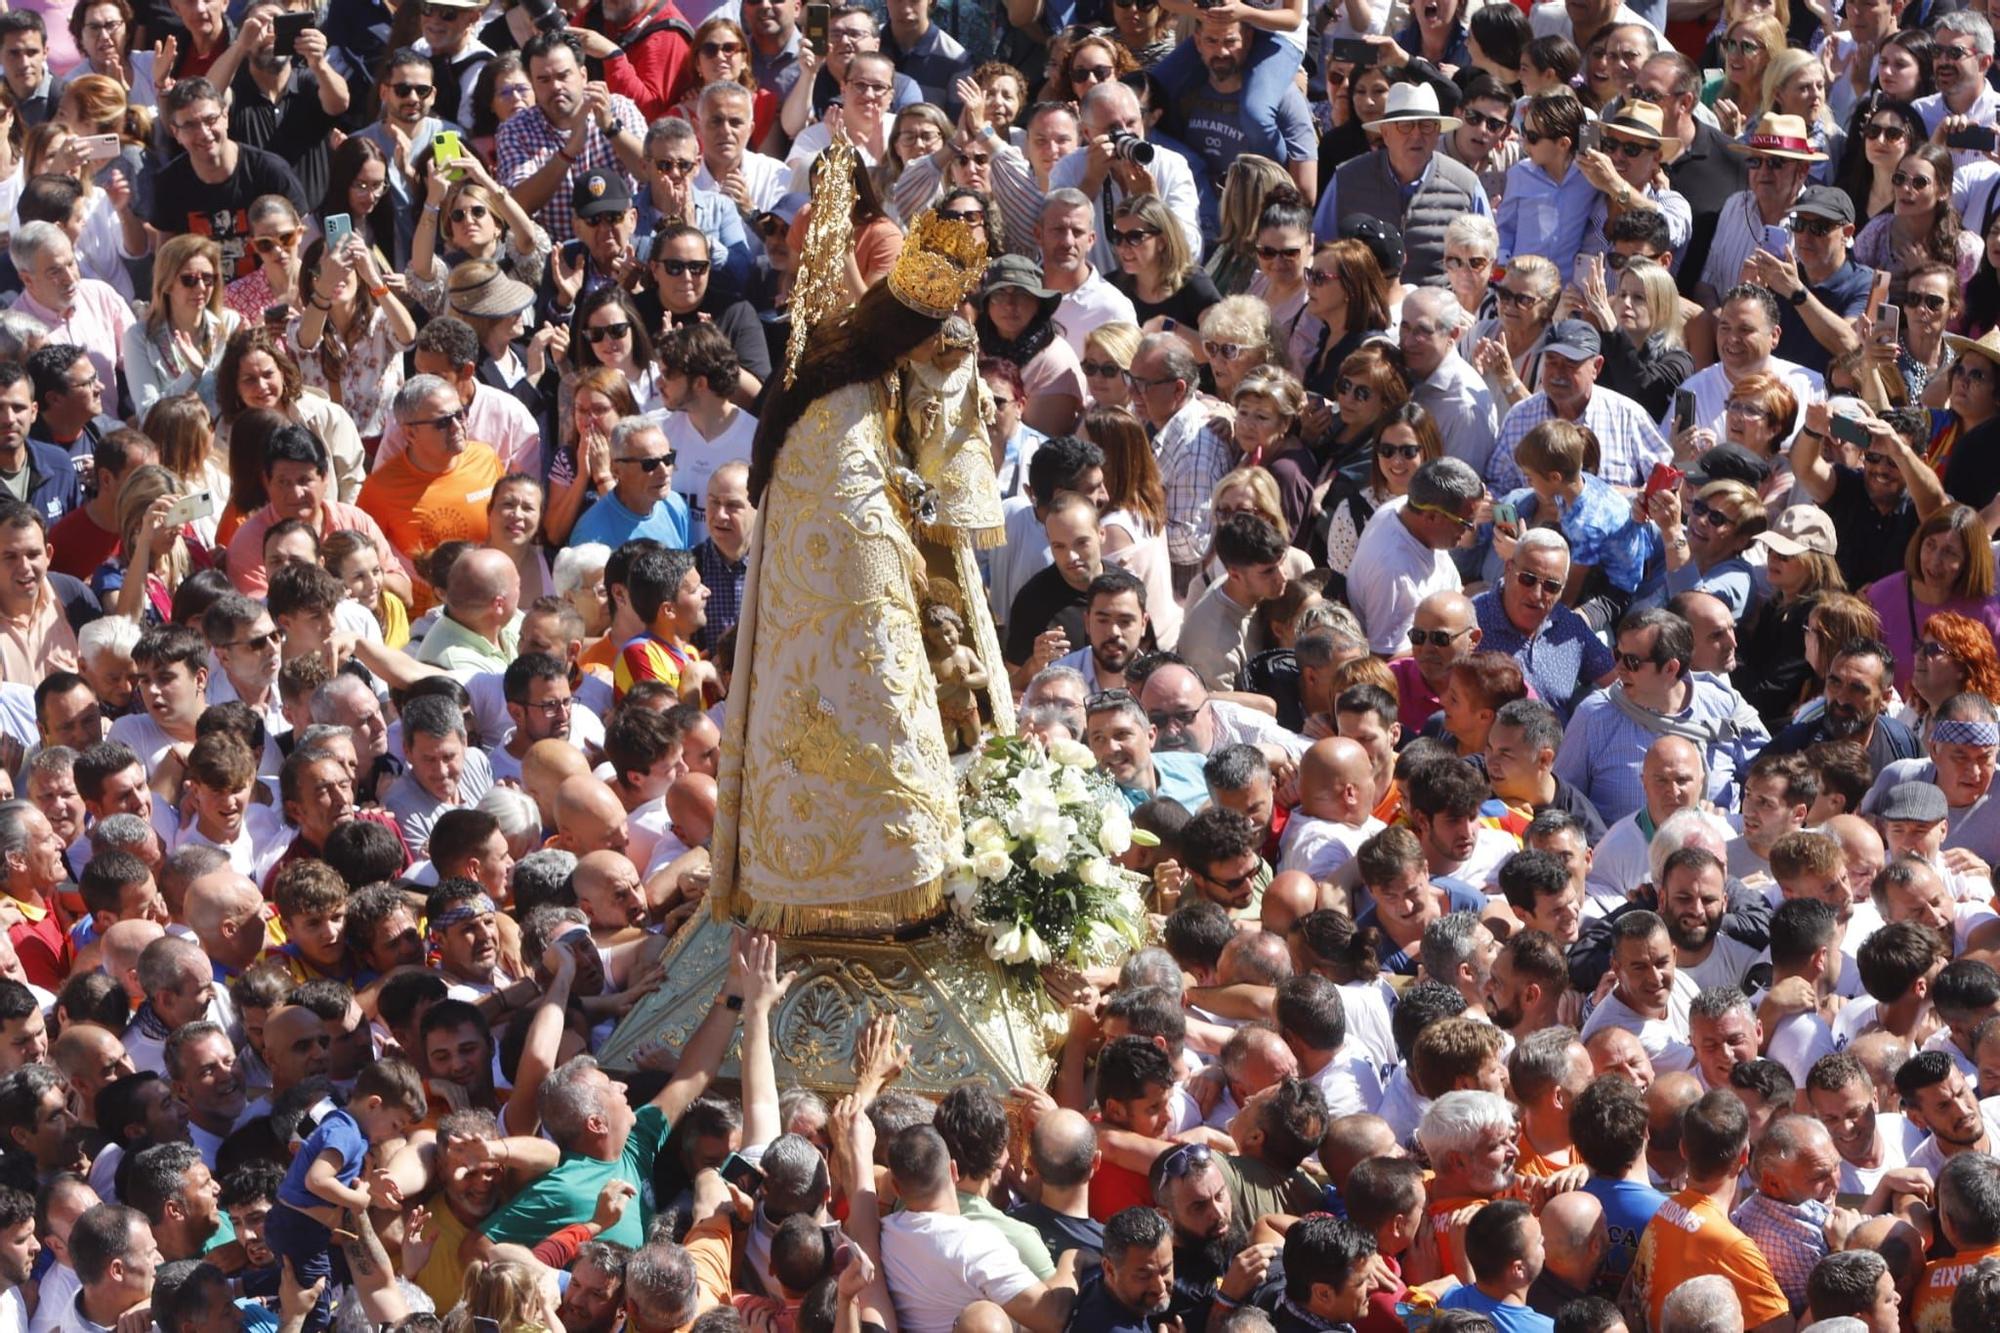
(1729, 462)
(1801, 528)
(1824, 201)
(599, 193)
(1573, 340)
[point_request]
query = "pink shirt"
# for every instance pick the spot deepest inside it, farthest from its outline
(495, 417)
(95, 323)
(246, 548)
(1415, 700)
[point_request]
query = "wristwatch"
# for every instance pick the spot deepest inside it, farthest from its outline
(1798, 298)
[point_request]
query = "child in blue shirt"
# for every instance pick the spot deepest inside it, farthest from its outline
(324, 1177)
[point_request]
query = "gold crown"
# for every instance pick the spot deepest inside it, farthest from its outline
(941, 265)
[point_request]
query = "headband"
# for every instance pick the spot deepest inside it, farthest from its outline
(1956, 731)
(460, 912)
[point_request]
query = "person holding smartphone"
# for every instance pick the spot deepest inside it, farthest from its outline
(1821, 288)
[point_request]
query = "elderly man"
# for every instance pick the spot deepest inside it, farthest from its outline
(1654, 695)
(724, 120)
(1444, 383)
(1524, 617)
(481, 624)
(1406, 182)
(1109, 109)
(1406, 550)
(1164, 377)
(1792, 1217)
(1572, 358)
(448, 348)
(641, 502)
(440, 488)
(80, 311)
(1443, 632)
(1067, 233)
(1472, 1142)
(1746, 340)
(1334, 815)
(1122, 736)
(444, 771)
(1780, 157)
(31, 857)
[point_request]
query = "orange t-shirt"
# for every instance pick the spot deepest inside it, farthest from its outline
(419, 511)
(1690, 1237)
(1440, 1213)
(1532, 1163)
(1940, 1284)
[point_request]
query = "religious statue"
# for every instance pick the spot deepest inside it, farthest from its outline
(873, 480)
(958, 673)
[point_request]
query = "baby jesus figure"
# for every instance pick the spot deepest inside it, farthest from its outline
(959, 674)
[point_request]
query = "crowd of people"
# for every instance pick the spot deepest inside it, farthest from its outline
(1506, 492)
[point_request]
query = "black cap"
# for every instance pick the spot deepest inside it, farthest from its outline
(1383, 241)
(1730, 462)
(599, 193)
(1824, 201)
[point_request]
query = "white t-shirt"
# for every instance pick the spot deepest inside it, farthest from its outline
(1402, 1105)
(1349, 1081)
(939, 1263)
(1932, 1159)
(1665, 1040)
(699, 457)
(256, 848)
(1367, 1005)
(1725, 965)
(1320, 847)
(1797, 1042)
(144, 737)
(643, 827)
(1402, 571)
(1899, 1139)
(1618, 866)
(1941, 1041)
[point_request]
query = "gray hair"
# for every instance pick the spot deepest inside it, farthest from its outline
(1645, 31)
(1964, 22)
(1783, 1139)
(123, 833)
(1448, 943)
(660, 1280)
(416, 391)
(1443, 483)
(1439, 304)
(1151, 967)
(1458, 1120)
(185, 865)
(432, 715)
(629, 427)
(1704, 1304)
(1119, 703)
(1474, 231)
(795, 1176)
(543, 876)
(1106, 93)
(1717, 1002)
(13, 830)
(166, 960)
(722, 88)
(327, 697)
(1175, 358)
(35, 240)
(22, 335)
(55, 761)
(573, 562)
(513, 809)
(1035, 717)
(310, 738)
(671, 129)
(118, 635)
(568, 1099)
(1542, 539)
(1685, 828)
(1966, 706)
(1540, 1061)
(1064, 675)
(1325, 614)
(1063, 198)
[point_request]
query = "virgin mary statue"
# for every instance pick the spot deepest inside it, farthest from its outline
(873, 481)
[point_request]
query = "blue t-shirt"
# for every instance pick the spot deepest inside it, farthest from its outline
(1507, 1318)
(610, 522)
(341, 1133)
(1176, 774)
(1215, 133)
(1628, 1207)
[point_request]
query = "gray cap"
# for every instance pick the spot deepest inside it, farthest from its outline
(1920, 801)
(1573, 340)
(1825, 201)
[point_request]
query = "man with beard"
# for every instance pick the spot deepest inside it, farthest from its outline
(1858, 684)
(595, 1296)
(1138, 1285)
(171, 1185)
(201, 1064)
(1116, 623)
(1472, 1143)
(1123, 739)
(1527, 984)
(1548, 1071)
(463, 924)
(40, 1131)
(1458, 950)
(1048, 613)
(1188, 719)
(1218, 131)
(1446, 799)
(1874, 1145)
(1940, 1099)
(1217, 1267)
(285, 106)
(1693, 899)
(1645, 1001)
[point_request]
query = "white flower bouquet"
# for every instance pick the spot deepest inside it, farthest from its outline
(1036, 875)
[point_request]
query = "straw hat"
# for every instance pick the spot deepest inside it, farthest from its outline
(1414, 101)
(1778, 135)
(479, 288)
(1643, 120)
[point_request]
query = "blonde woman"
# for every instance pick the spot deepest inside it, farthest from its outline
(1247, 490)
(1642, 319)
(178, 347)
(112, 229)
(1471, 243)
(517, 1296)
(1135, 514)
(1237, 337)
(1108, 350)
(1795, 84)
(95, 104)
(1156, 271)
(183, 426)
(140, 582)
(1247, 191)
(1736, 92)
(471, 218)
(1507, 349)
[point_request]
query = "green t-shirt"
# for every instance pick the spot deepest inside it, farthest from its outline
(568, 1194)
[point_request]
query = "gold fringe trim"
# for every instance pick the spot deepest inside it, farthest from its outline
(981, 538)
(880, 916)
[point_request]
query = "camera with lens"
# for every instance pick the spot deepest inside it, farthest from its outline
(1129, 147)
(546, 15)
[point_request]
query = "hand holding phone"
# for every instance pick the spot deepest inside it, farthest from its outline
(1665, 477)
(339, 226)
(286, 29)
(819, 20)
(1888, 326)
(1353, 51)
(1684, 410)
(1849, 430)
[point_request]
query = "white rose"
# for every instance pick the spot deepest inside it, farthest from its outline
(1114, 835)
(991, 863)
(1050, 857)
(985, 832)
(1009, 946)
(1071, 754)
(1097, 873)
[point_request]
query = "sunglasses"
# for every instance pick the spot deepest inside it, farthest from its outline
(1279, 251)
(1320, 277)
(471, 212)
(445, 422)
(1705, 513)
(1880, 133)
(194, 280)
(1815, 226)
(1361, 393)
(1742, 46)
(1226, 351)
(1931, 650)
(1180, 718)
(1102, 370)
(1518, 300)
(1120, 239)
(679, 268)
(1765, 163)
(1877, 459)
(1436, 638)
(412, 89)
(622, 329)
(270, 245)
(1953, 53)
(714, 49)
(1491, 124)
(654, 464)
(1136, 4)
(1531, 138)
(1632, 661)
(1973, 374)
(1616, 260)
(1409, 453)
(771, 225)
(1435, 512)
(1475, 264)
(1234, 882)
(1183, 1161)
(1628, 149)
(1930, 301)
(675, 166)
(1904, 180)
(1090, 73)
(971, 217)
(259, 643)
(973, 159)
(1531, 582)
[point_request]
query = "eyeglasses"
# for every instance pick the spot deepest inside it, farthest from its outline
(1903, 180)
(1172, 718)
(1435, 512)
(1145, 385)
(1633, 662)
(1468, 263)
(1877, 459)
(258, 643)
(417, 90)
(1953, 53)
(971, 217)
(270, 245)
(194, 280)
(1102, 370)
(104, 29)
(675, 166)
(552, 707)
(471, 212)
(1878, 132)
(622, 329)
(1531, 583)
(1319, 277)
(1226, 351)
(1628, 149)
(714, 49)
(443, 423)
(1931, 650)
(1973, 374)
(78, 386)
(1815, 226)
(1764, 163)
(1136, 4)
(211, 123)
(1507, 296)
(1234, 882)
(1090, 74)
(1930, 301)
(1436, 638)
(867, 86)
(652, 464)
(1409, 453)
(1492, 124)
(1279, 251)
(1739, 408)
(678, 268)
(1361, 393)
(850, 36)
(1703, 512)
(1742, 46)
(1121, 239)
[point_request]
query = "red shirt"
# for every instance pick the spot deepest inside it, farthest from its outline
(653, 72)
(77, 546)
(42, 944)
(1115, 1188)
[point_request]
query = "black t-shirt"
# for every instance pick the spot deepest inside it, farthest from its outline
(1061, 1232)
(1872, 543)
(1044, 601)
(295, 128)
(1845, 294)
(183, 202)
(1705, 175)
(1195, 294)
(1578, 807)
(1972, 474)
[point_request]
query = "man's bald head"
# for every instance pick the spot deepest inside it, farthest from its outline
(1900, 1245)
(296, 1046)
(1062, 1149)
(124, 941)
(1613, 1050)
(589, 816)
(608, 889)
(478, 580)
(691, 808)
(1336, 779)
(1574, 1237)
(1352, 1140)
(1449, 609)
(543, 769)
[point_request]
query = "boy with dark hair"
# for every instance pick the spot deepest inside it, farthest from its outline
(667, 597)
(221, 773)
(1134, 1079)
(312, 905)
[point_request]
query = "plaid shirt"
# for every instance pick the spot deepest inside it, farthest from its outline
(527, 141)
(1628, 441)
(723, 578)
(1192, 460)
(1791, 1235)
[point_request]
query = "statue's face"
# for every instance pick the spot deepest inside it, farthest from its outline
(943, 637)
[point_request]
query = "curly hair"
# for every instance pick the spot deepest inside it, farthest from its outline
(1970, 644)
(247, 341)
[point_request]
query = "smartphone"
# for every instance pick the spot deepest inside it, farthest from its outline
(98, 147)
(1353, 51)
(1978, 138)
(192, 506)
(819, 16)
(1684, 410)
(1664, 478)
(445, 147)
(286, 28)
(1889, 325)
(1777, 242)
(339, 226)
(1850, 430)
(1590, 138)
(1505, 516)
(742, 1173)
(278, 315)
(573, 252)
(1878, 292)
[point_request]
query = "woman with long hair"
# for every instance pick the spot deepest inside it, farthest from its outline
(1135, 513)
(139, 582)
(112, 227)
(1087, 62)
(243, 454)
(1405, 440)
(977, 210)
(877, 238)
(259, 370)
(1108, 350)
(94, 104)
(1237, 337)
(357, 184)
(1347, 293)
(351, 557)
(471, 217)
(591, 402)
(502, 89)
(1982, 295)
(1249, 189)
(276, 238)
(514, 1296)
(1773, 675)
(1916, 367)
(1495, 42)
(1948, 566)
(497, 308)
(178, 346)
(1881, 130)
(1507, 349)
(1795, 85)
(1436, 32)
(183, 426)
(1644, 356)
(1955, 655)
(1156, 270)
(351, 335)
(1922, 225)
(1017, 322)
(514, 528)
(608, 330)
(1284, 251)
(1903, 67)
(918, 131)
(1370, 390)
(1736, 95)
